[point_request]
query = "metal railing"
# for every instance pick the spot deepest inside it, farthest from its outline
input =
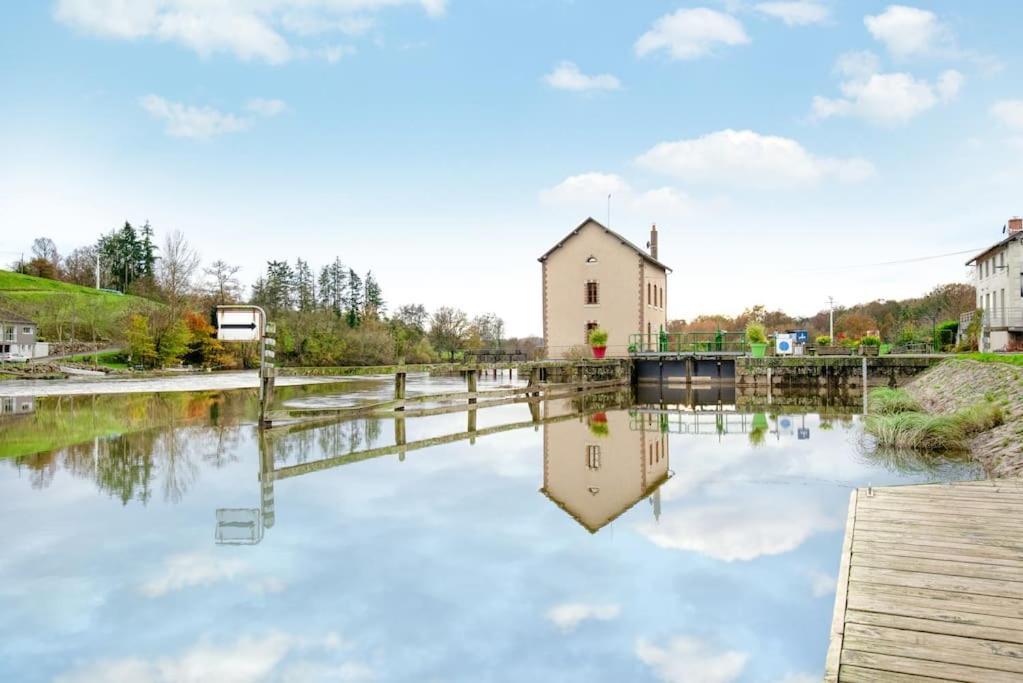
(688, 342)
(1002, 317)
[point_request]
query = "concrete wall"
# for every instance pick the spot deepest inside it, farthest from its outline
(622, 276)
(631, 462)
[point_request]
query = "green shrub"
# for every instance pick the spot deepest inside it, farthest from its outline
(870, 340)
(922, 432)
(823, 340)
(884, 401)
(756, 333)
(598, 337)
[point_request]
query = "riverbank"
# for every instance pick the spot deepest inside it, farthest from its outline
(956, 384)
(210, 381)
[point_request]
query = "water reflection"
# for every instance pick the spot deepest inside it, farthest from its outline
(595, 468)
(365, 551)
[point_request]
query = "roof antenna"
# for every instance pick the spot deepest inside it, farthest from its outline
(609, 210)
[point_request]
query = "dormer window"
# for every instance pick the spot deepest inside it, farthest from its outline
(591, 259)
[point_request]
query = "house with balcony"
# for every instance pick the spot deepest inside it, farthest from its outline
(18, 337)
(998, 279)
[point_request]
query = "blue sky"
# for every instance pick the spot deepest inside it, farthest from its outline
(447, 144)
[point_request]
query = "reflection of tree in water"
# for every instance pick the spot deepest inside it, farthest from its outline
(164, 440)
(332, 440)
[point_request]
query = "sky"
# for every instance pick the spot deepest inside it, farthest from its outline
(783, 148)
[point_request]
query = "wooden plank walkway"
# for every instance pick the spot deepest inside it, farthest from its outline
(930, 586)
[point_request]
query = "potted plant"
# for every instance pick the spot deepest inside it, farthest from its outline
(870, 345)
(598, 424)
(598, 342)
(756, 335)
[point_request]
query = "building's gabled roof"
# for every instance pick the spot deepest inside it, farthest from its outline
(12, 317)
(650, 490)
(1002, 243)
(645, 255)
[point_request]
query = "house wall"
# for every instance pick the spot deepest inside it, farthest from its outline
(14, 337)
(1000, 294)
(626, 469)
(622, 276)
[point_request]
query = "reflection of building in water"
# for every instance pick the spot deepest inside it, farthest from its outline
(17, 405)
(595, 468)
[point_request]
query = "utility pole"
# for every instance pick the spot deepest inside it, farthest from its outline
(831, 319)
(97, 269)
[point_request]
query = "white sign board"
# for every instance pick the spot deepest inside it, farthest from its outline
(239, 323)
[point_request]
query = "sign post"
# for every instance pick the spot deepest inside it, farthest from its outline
(245, 323)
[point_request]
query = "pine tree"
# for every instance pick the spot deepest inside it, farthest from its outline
(353, 299)
(305, 286)
(373, 300)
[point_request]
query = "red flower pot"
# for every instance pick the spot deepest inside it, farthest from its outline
(599, 351)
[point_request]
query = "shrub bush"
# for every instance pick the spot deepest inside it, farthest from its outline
(756, 333)
(598, 337)
(823, 340)
(884, 401)
(870, 340)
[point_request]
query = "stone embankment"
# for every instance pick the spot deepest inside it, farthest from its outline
(956, 384)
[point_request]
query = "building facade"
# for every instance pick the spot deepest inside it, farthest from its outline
(998, 278)
(595, 278)
(17, 336)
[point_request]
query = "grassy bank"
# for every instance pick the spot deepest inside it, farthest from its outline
(115, 360)
(60, 307)
(972, 403)
(896, 421)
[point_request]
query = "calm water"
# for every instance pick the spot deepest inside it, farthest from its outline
(157, 538)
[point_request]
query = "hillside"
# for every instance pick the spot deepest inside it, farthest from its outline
(58, 306)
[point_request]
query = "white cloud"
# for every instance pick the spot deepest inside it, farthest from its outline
(884, 98)
(267, 108)
(187, 570)
(201, 123)
(247, 660)
(691, 33)
(796, 12)
(745, 157)
(248, 30)
(690, 660)
(739, 530)
(909, 31)
(334, 53)
(821, 583)
(567, 76)
(800, 678)
(1009, 112)
(568, 616)
(590, 190)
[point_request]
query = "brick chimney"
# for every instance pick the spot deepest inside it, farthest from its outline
(1015, 225)
(653, 240)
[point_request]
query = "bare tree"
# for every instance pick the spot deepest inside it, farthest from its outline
(176, 268)
(44, 248)
(222, 283)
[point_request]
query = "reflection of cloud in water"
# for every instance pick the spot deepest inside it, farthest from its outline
(274, 656)
(569, 615)
(690, 660)
(741, 526)
(192, 569)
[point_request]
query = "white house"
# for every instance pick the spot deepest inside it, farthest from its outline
(998, 277)
(18, 337)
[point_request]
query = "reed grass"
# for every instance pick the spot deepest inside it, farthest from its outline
(884, 401)
(918, 431)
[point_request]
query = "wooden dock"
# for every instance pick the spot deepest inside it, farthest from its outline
(930, 586)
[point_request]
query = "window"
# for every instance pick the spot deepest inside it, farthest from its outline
(649, 298)
(592, 293)
(590, 326)
(8, 406)
(593, 457)
(591, 259)
(1004, 319)
(9, 334)
(26, 330)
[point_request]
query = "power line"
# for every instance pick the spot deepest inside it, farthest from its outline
(916, 259)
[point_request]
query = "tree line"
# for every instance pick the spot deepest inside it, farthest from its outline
(326, 316)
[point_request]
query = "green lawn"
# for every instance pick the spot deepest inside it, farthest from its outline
(111, 359)
(58, 306)
(1010, 358)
